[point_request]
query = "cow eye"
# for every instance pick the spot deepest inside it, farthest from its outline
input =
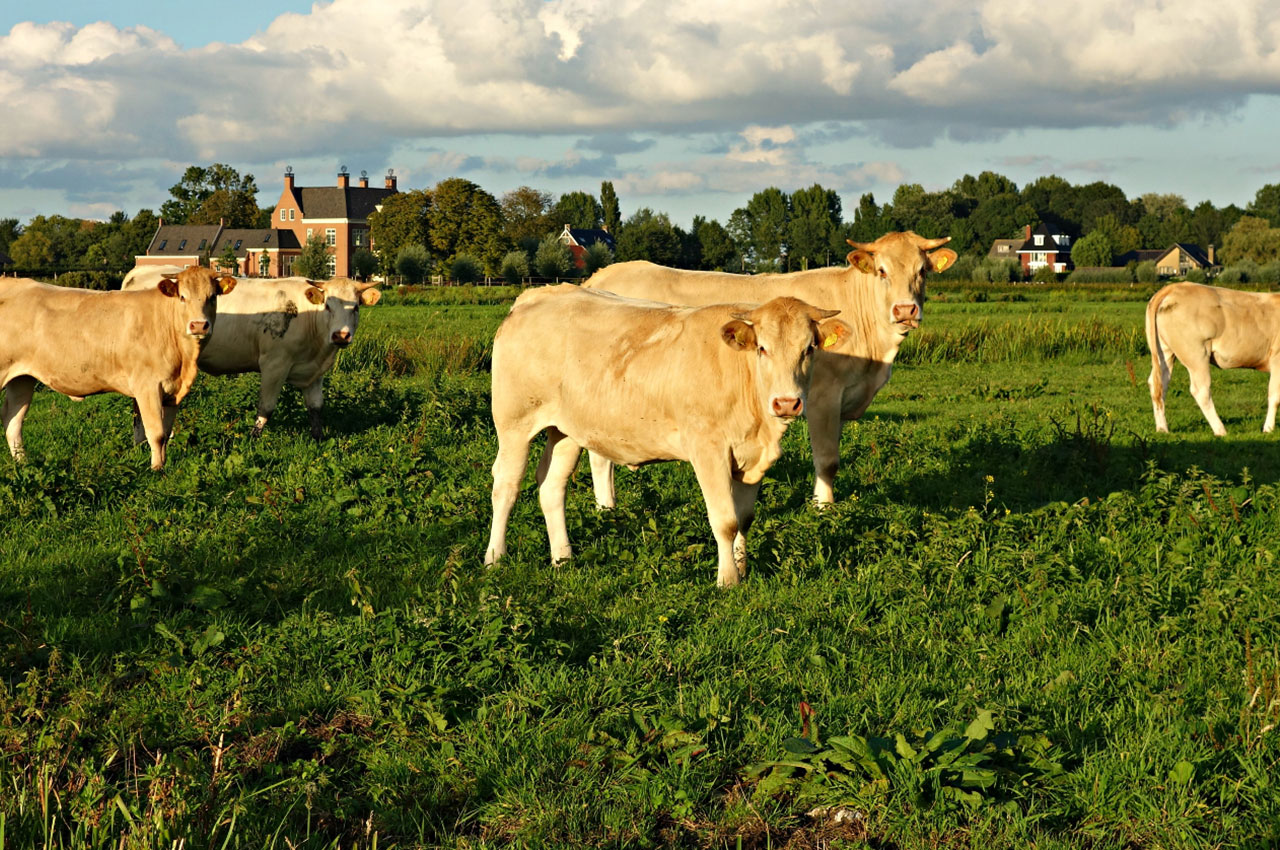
(182, 298)
(762, 352)
(883, 273)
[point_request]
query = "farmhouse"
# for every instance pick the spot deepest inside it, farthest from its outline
(337, 214)
(1005, 249)
(1174, 261)
(578, 240)
(1045, 247)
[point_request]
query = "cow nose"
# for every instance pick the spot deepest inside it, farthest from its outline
(198, 327)
(787, 407)
(906, 311)
(342, 337)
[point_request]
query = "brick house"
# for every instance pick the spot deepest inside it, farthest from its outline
(1045, 247)
(578, 240)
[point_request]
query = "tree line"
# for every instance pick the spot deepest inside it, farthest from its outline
(458, 229)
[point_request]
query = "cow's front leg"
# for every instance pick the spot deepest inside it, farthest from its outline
(602, 481)
(273, 377)
(716, 481)
(744, 507)
(559, 459)
(508, 470)
(313, 398)
(17, 401)
(1273, 396)
(823, 416)
(151, 408)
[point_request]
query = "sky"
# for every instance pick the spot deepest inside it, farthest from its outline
(688, 108)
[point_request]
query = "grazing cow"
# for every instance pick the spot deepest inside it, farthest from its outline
(880, 295)
(287, 329)
(139, 344)
(638, 382)
(1208, 325)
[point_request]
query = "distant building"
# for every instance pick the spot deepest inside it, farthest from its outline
(1045, 247)
(1174, 261)
(1005, 249)
(338, 214)
(578, 240)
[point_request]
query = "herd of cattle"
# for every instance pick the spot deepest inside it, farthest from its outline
(640, 364)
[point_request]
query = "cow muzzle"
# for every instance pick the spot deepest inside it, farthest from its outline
(788, 408)
(198, 328)
(342, 338)
(907, 313)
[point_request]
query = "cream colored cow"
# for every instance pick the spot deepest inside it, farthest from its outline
(637, 382)
(140, 344)
(880, 294)
(1207, 326)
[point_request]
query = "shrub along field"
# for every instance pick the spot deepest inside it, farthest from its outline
(1029, 619)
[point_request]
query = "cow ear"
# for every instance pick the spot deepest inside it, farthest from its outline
(169, 286)
(226, 284)
(370, 297)
(863, 261)
(738, 335)
(315, 295)
(830, 333)
(942, 259)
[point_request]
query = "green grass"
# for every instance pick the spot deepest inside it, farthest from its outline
(278, 643)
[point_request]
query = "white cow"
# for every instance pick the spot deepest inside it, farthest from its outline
(638, 382)
(287, 329)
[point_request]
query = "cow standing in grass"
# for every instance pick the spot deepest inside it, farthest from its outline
(1207, 326)
(880, 295)
(637, 382)
(288, 329)
(79, 343)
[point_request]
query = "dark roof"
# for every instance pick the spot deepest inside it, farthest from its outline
(1011, 248)
(1050, 244)
(1142, 255)
(353, 202)
(588, 237)
(255, 240)
(1194, 252)
(169, 237)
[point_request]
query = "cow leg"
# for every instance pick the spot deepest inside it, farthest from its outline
(152, 410)
(744, 508)
(313, 398)
(17, 401)
(139, 435)
(1198, 370)
(602, 481)
(1273, 396)
(1159, 383)
(508, 470)
(823, 416)
(717, 491)
(559, 459)
(268, 393)
(170, 414)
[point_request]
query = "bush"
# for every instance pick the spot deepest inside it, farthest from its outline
(1231, 274)
(1146, 272)
(1197, 276)
(1270, 273)
(465, 269)
(997, 271)
(1045, 274)
(313, 262)
(413, 263)
(597, 257)
(515, 267)
(363, 263)
(553, 258)
(98, 280)
(1117, 274)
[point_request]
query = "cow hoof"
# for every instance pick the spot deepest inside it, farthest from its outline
(255, 432)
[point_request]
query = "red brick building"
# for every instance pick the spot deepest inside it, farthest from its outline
(1045, 247)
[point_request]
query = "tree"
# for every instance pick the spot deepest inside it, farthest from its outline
(610, 211)
(1163, 207)
(313, 261)
(1251, 238)
(227, 259)
(526, 216)
(647, 235)
(869, 222)
(1266, 204)
(465, 269)
(465, 219)
(10, 230)
(579, 210)
(33, 249)
(596, 257)
(363, 263)
(515, 267)
(814, 227)
(760, 228)
(413, 263)
(237, 197)
(1123, 237)
(716, 251)
(553, 258)
(1092, 250)
(402, 221)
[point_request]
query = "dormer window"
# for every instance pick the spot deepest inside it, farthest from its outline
(182, 244)
(163, 242)
(1063, 239)
(202, 244)
(238, 241)
(1039, 239)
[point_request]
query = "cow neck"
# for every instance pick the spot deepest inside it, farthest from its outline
(188, 348)
(873, 337)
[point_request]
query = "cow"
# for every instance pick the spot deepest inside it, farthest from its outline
(880, 294)
(638, 382)
(287, 329)
(79, 343)
(1208, 325)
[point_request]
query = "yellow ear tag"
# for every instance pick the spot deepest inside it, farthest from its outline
(943, 262)
(831, 340)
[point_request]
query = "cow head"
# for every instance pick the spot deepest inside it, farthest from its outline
(341, 298)
(782, 336)
(900, 261)
(195, 291)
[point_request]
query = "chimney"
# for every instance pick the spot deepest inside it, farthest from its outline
(391, 178)
(605, 228)
(344, 179)
(1212, 261)
(1028, 229)
(364, 180)
(288, 178)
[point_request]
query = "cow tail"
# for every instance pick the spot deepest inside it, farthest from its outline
(1158, 365)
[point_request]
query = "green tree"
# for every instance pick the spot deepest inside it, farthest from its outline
(236, 197)
(814, 228)
(465, 219)
(1164, 207)
(10, 230)
(579, 210)
(647, 235)
(596, 257)
(313, 261)
(1123, 237)
(227, 259)
(402, 221)
(363, 263)
(716, 250)
(413, 263)
(553, 258)
(1252, 238)
(526, 216)
(465, 269)
(1266, 204)
(610, 211)
(515, 267)
(1092, 250)
(33, 249)
(869, 221)
(760, 228)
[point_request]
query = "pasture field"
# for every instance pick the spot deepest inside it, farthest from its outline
(1029, 620)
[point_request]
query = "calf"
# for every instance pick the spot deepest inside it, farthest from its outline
(638, 382)
(1209, 325)
(140, 344)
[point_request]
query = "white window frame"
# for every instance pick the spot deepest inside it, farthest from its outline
(331, 236)
(333, 265)
(282, 215)
(290, 215)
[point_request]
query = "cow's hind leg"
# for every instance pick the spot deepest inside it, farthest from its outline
(744, 508)
(1159, 384)
(152, 410)
(313, 398)
(508, 470)
(1273, 396)
(1198, 371)
(139, 433)
(17, 401)
(272, 381)
(602, 481)
(558, 462)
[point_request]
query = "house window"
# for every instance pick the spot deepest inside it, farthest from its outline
(359, 237)
(1064, 240)
(333, 265)
(182, 244)
(203, 242)
(282, 215)
(238, 241)
(163, 242)
(1039, 239)
(309, 232)
(290, 215)
(331, 236)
